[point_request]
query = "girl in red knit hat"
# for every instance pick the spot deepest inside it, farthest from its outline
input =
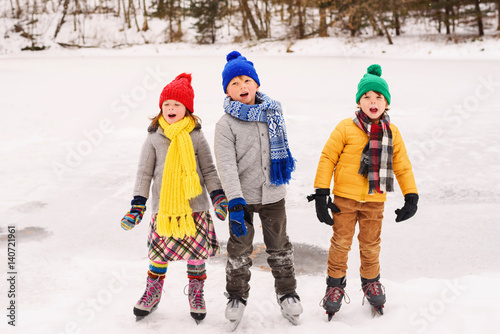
(177, 166)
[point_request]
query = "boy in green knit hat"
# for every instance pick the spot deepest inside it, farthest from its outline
(362, 155)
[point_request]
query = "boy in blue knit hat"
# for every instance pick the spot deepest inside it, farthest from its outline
(255, 164)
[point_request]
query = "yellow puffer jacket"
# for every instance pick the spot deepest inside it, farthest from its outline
(342, 155)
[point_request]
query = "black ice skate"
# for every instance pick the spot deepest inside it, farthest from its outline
(374, 292)
(335, 292)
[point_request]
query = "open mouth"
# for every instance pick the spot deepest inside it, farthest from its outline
(244, 95)
(373, 110)
(171, 115)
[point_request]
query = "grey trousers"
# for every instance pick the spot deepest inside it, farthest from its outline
(278, 248)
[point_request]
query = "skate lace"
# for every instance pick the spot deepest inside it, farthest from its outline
(334, 293)
(152, 288)
(195, 293)
(372, 289)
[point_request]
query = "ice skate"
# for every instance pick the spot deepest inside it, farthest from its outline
(291, 308)
(196, 300)
(234, 311)
(150, 299)
(332, 301)
(374, 292)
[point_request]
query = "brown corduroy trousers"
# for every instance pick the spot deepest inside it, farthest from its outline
(369, 215)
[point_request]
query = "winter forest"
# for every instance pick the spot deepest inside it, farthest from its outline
(121, 23)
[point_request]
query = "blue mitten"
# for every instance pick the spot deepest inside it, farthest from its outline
(219, 202)
(238, 213)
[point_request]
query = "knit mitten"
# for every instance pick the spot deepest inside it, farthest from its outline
(133, 217)
(219, 202)
(323, 202)
(409, 209)
(238, 213)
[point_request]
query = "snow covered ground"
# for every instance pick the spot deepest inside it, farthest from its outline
(73, 123)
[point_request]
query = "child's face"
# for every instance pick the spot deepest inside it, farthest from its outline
(242, 89)
(373, 104)
(173, 111)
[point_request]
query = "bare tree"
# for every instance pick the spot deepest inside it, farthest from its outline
(498, 14)
(61, 21)
(479, 18)
(16, 13)
(301, 11)
(126, 15)
(131, 7)
(145, 26)
(249, 15)
(322, 7)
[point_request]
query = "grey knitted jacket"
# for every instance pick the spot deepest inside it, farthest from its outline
(244, 161)
(152, 161)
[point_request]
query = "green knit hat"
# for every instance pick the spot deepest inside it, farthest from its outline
(372, 81)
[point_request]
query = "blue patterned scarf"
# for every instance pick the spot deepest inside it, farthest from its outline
(269, 111)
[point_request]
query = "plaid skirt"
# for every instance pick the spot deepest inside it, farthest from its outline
(202, 246)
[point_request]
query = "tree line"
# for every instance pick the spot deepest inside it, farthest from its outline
(258, 19)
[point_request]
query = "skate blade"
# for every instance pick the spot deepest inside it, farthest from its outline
(198, 317)
(330, 316)
(294, 319)
(233, 324)
(139, 317)
(377, 311)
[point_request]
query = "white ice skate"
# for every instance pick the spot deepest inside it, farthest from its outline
(291, 308)
(234, 311)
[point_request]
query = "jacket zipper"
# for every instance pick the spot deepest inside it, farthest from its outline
(365, 191)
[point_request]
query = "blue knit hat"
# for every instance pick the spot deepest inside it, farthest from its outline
(372, 81)
(237, 65)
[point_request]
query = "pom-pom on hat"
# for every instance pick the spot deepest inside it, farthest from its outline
(237, 65)
(179, 89)
(372, 81)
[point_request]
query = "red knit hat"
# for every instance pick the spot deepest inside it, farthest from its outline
(180, 90)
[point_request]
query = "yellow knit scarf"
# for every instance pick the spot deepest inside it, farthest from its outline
(180, 181)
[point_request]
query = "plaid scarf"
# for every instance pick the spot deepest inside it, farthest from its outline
(180, 181)
(376, 160)
(269, 111)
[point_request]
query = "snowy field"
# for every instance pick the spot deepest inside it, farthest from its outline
(73, 123)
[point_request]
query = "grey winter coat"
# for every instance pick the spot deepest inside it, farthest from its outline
(152, 161)
(244, 161)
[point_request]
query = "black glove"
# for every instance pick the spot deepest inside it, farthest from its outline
(322, 205)
(409, 209)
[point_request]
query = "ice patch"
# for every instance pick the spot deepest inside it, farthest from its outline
(29, 207)
(31, 233)
(308, 259)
